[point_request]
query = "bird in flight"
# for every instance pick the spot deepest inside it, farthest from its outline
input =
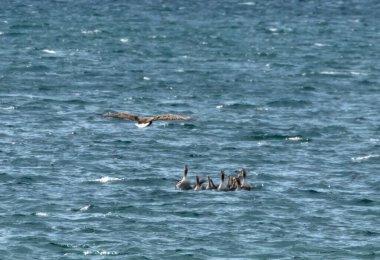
(146, 121)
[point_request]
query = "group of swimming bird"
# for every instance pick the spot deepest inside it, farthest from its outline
(234, 182)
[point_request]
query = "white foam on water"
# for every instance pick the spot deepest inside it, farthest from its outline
(354, 73)
(90, 31)
(357, 73)
(99, 252)
(248, 3)
(273, 29)
(49, 51)
(262, 109)
(124, 40)
(107, 179)
(318, 44)
(330, 73)
(263, 143)
(41, 214)
(85, 208)
(7, 108)
(295, 138)
(364, 158)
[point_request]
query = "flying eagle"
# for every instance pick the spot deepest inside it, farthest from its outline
(146, 121)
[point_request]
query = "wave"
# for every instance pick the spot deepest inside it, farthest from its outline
(297, 139)
(7, 108)
(100, 252)
(49, 51)
(341, 73)
(235, 105)
(90, 32)
(82, 209)
(107, 179)
(364, 158)
(262, 137)
(85, 208)
(248, 3)
(40, 214)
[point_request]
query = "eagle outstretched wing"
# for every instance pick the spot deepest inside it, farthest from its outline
(170, 117)
(146, 121)
(123, 115)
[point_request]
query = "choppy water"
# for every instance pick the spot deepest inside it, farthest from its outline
(287, 89)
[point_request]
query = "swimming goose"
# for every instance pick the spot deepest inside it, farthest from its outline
(198, 185)
(244, 183)
(222, 186)
(146, 121)
(236, 184)
(184, 183)
(210, 184)
(230, 183)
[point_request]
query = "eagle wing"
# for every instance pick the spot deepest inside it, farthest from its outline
(170, 117)
(123, 115)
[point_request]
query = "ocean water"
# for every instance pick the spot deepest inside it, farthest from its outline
(289, 90)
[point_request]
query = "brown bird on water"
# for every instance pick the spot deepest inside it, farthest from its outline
(146, 121)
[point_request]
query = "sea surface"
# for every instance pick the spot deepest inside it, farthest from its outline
(290, 90)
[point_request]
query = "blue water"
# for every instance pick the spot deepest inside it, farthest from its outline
(288, 89)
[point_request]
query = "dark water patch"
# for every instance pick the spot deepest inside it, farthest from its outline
(289, 103)
(19, 215)
(368, 82)
(25, 180)
(313, 192)
(190, 126)
(73, 101)
(66, 248)
(370, 233)
(4, 177)
(187, 214)
(309, 88)
(36, 68)
(125, 209)
(196, 155)
(364, 202)
(335, 129)
(118, 141)
(91, 230)
(229, 148)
